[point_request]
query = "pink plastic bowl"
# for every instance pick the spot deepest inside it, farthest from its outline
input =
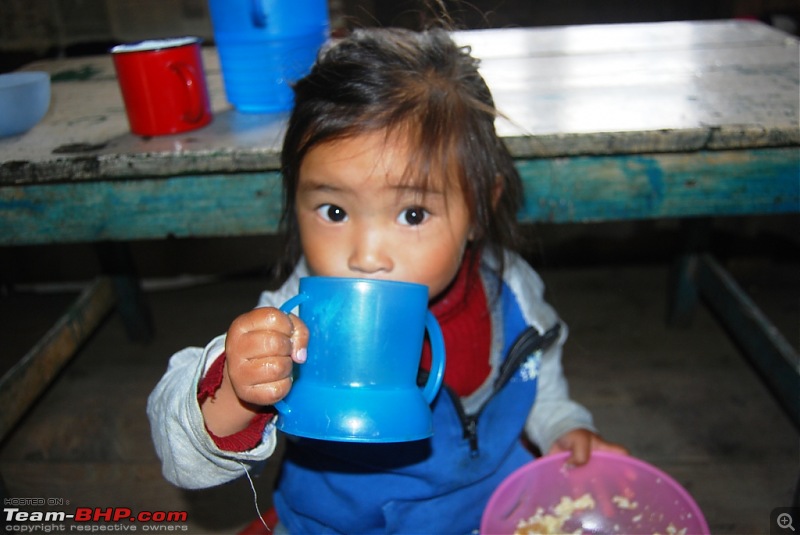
(630, 497)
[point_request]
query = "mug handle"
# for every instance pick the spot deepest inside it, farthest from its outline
(187, 74)
(438, 359)
(293, 302)
(288, 306)
(258, 13)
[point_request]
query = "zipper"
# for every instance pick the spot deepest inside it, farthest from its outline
(527, 343)
(469, 422)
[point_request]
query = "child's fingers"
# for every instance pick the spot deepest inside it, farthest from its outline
(259, 333)
(262, 319)
(579, 453)
(299, 339)
(259, 344)
(261, 370)
(577, 442)
(264, 393)
(261, 347)
(603, 445)
(264, 380)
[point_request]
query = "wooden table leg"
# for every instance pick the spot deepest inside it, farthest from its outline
(769, 352)
(117, 263)
(696, 275)
(682, 287)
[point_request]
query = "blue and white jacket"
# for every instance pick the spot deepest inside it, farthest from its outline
(437, 485)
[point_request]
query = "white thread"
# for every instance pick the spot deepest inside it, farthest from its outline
(255, 496)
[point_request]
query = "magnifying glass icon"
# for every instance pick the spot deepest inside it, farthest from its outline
(785, 521)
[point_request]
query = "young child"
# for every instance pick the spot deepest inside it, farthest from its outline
(392, 170)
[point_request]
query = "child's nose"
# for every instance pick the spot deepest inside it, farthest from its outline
(370, 253)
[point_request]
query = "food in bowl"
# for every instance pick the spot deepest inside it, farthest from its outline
(611, 494)
(543, 523)
(624, 503)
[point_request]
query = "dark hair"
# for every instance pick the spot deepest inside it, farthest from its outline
(421, 85)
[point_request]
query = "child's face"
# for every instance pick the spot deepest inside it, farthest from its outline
(358, 217)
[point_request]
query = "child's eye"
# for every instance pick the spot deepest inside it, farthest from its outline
(332, 213)
(412, 216)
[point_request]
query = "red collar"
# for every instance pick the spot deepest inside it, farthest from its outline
(463, 316)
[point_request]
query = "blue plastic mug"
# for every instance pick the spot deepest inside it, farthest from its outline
(264, 46)
(359, 382)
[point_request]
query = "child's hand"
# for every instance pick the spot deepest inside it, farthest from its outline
(260, 349)
(581, 442)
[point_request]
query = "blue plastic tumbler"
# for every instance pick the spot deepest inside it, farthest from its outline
(266, 45)
(359, 382)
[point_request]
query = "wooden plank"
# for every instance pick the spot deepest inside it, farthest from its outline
(23, 383)
(611, 188)
(589, 89)
(576, 189)
(770, 353)
(209, 205)
(593, 39)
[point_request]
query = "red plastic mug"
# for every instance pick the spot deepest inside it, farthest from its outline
(163, 85)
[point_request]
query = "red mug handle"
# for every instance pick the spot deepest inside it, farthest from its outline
(192, 84)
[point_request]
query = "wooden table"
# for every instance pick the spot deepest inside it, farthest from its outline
(606, 122)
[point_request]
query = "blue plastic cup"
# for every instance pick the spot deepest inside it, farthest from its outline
(359, 382)
(266, 45)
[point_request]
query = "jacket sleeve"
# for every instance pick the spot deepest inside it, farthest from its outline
(189, 457)
(553, 412)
